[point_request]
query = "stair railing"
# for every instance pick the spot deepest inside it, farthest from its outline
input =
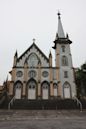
(78, 102)
(11, 102)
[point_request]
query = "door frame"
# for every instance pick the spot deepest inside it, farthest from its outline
(27, 88)
(69, 86)
(48, 90)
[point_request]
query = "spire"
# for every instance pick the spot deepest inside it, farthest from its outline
(15, 59)
(16, 54)
(60, 27)
(26, 61)
(50, 55)
(50, 59)
(60, 36)
(67, 36)
(7, 78)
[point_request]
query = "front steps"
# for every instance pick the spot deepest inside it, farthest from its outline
(44, 104)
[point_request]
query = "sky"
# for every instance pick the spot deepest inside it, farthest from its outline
(23, 20)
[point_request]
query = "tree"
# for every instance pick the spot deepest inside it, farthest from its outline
(81, 81)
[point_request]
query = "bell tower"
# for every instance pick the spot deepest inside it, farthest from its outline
(63, 62)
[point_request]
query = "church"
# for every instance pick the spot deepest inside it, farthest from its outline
(34, 77)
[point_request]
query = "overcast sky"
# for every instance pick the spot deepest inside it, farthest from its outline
(23, 20)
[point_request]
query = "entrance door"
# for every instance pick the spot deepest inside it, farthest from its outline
(45, 91)
(18, 93)
(67, 90)
(18, 87)
(32, 90)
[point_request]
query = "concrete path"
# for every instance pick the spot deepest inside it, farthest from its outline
(47, 119)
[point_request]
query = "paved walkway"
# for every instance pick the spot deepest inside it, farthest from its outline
(47, 119)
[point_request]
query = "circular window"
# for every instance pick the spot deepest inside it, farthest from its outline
(19, 74)
(45, 74)
(32, 74)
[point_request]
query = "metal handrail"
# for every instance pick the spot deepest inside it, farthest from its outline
(11, 102)
(78, 102)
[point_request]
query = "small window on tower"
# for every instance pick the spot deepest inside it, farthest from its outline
(64, 61)
(63, 48)
(65, 74)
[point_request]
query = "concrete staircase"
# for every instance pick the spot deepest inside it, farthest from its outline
(68, 104)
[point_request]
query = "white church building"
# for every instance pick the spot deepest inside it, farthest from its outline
(34, 77)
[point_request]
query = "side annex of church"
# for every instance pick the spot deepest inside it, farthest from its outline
(34, 77)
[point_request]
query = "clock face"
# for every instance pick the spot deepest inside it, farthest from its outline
(19, 74)
(33, 60)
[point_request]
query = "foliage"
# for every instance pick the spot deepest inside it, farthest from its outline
(81, 81)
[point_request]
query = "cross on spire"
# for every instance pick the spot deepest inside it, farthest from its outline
(59, 14)
(34, 40)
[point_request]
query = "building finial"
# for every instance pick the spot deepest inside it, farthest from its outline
(16, 54)
(58, 14)
(34, 40)
(50, 55)
(67, 36)
(7, 78)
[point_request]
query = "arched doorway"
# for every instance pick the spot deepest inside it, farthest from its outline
(18, 88)
(31, 89)
(66, 87)
(45, 90)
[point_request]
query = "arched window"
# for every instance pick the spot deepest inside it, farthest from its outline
(33, 60)
(32, 85)
(65, 74)
(64, 61)
(63, 48)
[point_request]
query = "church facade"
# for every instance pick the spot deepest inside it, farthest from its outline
(34, 77)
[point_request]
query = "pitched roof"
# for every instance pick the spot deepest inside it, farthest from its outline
(37, 49)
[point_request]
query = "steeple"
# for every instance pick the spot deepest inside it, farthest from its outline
(15, 59)
(60, 36)
(50, 59)
(60, 27)
(16, 54)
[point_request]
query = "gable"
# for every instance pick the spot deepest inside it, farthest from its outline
(33, 55)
